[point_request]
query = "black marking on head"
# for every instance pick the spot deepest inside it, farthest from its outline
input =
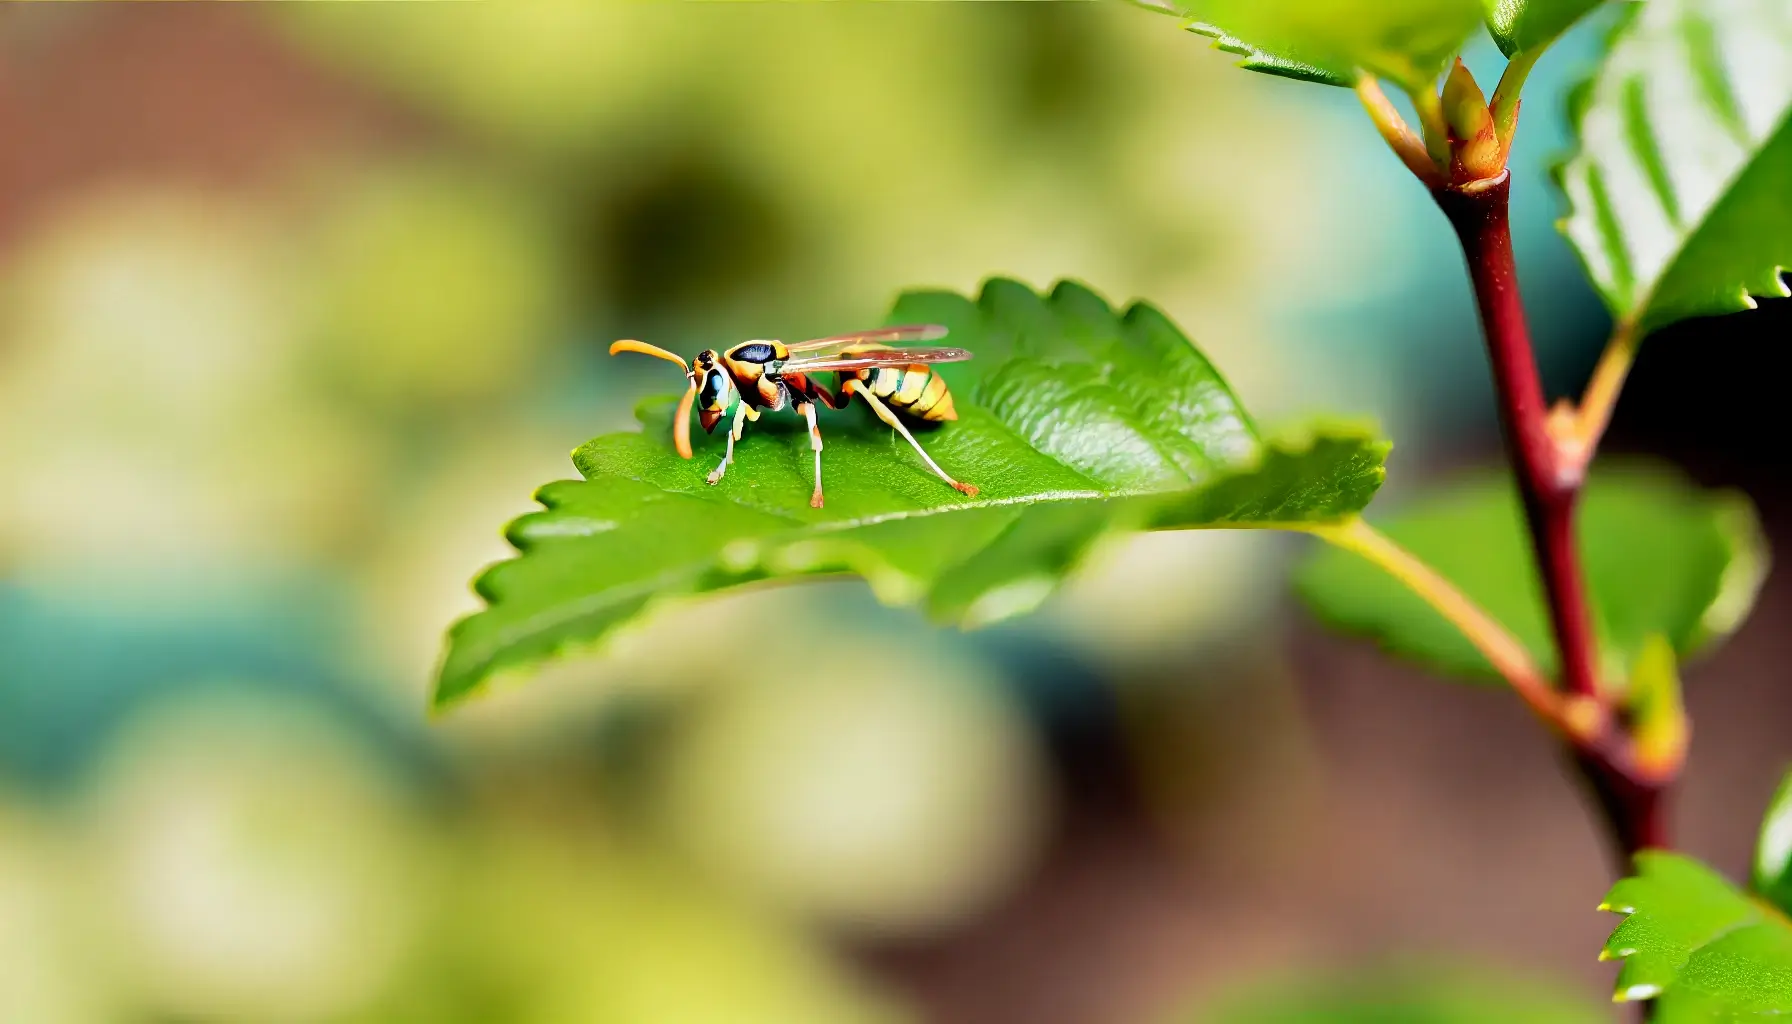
(715, 385)
(753, 352)
(706, 359)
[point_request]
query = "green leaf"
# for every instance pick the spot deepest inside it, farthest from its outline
(1660, 556)
(1773, 851)
(1704, 950)
(1074, 421)
(1412, 994)
(1519, 26)
(1328, 41)
(1681, 194)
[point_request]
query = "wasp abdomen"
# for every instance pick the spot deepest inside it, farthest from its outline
(913, 390)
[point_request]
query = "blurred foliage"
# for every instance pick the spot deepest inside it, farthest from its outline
(906, 768)
(387, 324)
(1660, 556)
(535, 927)
(1410, 994)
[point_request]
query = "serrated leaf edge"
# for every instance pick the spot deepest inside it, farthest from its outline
(1638, 992)
(1262, 61)
(1578, 97)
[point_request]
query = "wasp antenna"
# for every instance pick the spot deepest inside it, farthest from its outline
(645, 349)
(681, 423)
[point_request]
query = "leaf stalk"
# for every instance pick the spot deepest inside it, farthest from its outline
(1579, 429)
(1506, 99)
(1501, 649)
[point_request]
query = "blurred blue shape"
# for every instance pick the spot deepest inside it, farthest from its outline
(71, 675)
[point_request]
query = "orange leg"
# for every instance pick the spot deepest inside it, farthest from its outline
(854, 387)
(815, 443)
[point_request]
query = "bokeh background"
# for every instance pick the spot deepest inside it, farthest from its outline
(299, 304)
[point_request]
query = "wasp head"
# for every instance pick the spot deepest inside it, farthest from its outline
(715, 390)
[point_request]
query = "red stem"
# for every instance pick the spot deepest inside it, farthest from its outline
(1631, 803)
(1549, 500)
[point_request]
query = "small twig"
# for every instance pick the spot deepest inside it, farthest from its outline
(1398, 135)
(1578, 430)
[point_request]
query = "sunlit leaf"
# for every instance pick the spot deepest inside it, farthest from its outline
(1328, 41)
(1660, 556)
(1704, 950)
(1522, 25)
(1073, 420)
(1681, 192)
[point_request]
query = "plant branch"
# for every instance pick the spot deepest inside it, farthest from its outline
(1479, 216)
(1630, 797)
(1508, 657)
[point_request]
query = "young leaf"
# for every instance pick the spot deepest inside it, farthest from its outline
(1519, 26)
(1773, 851)
(1701, 948)
(1681, 194)
(1661, 557)
(1328, 41)
(1073, 420)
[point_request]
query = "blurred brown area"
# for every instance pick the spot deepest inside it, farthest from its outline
(202, 96)
(1366, 811)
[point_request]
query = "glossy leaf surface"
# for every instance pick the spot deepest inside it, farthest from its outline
(1661, 557)
(1681, 193)
(1703, 949)
(1327, 41)
(1074, 421)
(1522, 25)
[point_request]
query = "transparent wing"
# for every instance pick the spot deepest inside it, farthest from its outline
(882, 357)
(905, 332)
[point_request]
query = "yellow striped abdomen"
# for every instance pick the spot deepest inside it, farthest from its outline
(913, 390)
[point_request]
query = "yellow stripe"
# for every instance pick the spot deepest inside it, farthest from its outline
(888, 380)
(930, 397)
(913, 383)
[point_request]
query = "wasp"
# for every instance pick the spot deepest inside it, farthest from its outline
(756, 376)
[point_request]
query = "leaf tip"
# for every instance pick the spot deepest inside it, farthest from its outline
(1636, 993)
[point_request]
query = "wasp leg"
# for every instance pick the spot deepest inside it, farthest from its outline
(815, 443)
(853, 387)
(742, 413)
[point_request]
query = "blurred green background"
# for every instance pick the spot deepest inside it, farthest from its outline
(299, 304)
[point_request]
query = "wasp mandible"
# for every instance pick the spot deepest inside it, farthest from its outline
(768, 375)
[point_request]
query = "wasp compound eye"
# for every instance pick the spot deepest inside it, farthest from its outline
(715, 387)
